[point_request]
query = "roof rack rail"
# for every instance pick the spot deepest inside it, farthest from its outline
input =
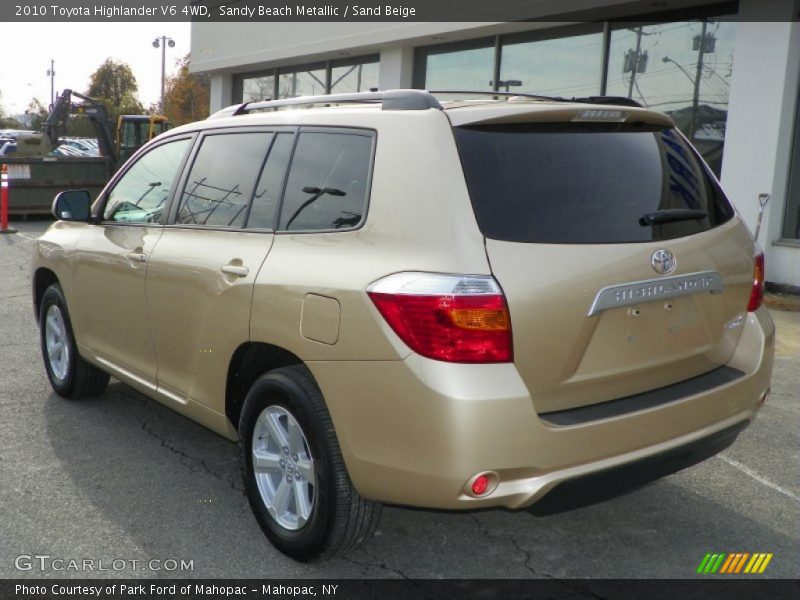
(389, 100)
(503, 94)
(619, 100)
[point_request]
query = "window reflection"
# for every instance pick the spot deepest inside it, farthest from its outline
(354, 78)
(565, 66)
(221, 182)
(682, 69)
(327, 185)
(301, 83)
(140, 196)
(460, 69)
(255, 89)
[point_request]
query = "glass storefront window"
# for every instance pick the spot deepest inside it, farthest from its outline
(682, 69)
(303, 81)
(457, 67)
(359, 77)
(255, 89)
(563, 66)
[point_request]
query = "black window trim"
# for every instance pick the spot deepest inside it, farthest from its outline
(99, 206)
(336, 130)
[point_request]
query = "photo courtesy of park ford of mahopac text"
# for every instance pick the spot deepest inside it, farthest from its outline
(399, 300)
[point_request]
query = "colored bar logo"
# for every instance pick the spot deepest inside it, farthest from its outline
(734, 563)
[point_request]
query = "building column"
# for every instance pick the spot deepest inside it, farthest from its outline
(761, 113)
(397, 68)
(221, 93)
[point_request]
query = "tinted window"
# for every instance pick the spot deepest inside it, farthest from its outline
(558, 184)
(327, 185)
(270, 184)
(222, 179)
(139, 196)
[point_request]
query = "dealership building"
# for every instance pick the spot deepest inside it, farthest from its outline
(728, 74)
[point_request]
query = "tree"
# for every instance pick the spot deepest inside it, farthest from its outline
(186, 95)
(37, 113)
(115, 82)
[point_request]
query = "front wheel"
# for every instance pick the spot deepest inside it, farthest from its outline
(70, 375)
(294, 474)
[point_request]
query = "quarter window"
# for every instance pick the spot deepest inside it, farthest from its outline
(327, 185)
(220, 185)
(141, 194)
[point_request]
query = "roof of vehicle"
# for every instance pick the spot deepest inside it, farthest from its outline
(488, 108)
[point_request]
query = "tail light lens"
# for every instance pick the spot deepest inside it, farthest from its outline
(757, 293)
(453, 318)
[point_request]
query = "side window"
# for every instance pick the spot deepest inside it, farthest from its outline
(327, 185)
(222, 179)
(270, 184)
(140, 195)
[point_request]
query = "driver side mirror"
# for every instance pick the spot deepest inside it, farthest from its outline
(74, 205)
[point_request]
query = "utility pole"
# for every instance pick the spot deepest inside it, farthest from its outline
(701, 48)
(52, 74)
(634, 64)
(162, 42)
(635, 61)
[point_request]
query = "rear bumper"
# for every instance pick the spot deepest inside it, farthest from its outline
(416, 431)
(579, 491)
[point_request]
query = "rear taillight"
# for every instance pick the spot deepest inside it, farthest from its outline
(454, 318)
(757, 293)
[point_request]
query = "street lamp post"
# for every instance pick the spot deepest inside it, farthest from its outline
(51, 73)
(162, 42)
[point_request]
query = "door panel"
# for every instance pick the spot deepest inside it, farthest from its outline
(199, 291)
(111, 260)
(110, 306)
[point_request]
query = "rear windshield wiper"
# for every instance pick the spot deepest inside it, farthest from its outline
(671, 215)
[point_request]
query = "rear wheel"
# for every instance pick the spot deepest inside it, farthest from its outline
(294, 474)
(70, 375)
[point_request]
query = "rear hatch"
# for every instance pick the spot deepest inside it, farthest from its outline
(624, 266)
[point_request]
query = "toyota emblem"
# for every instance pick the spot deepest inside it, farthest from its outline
(663, 262)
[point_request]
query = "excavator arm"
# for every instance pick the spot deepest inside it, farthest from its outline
(56, 123)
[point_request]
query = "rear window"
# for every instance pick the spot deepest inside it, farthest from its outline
(591, 184)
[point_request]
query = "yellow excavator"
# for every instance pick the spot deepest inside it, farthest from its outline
(131, 133)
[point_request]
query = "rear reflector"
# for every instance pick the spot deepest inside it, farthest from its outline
(480, 485)
(757, 293)
(453, 318)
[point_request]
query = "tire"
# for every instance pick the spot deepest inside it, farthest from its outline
(324, 516)
(70, 375)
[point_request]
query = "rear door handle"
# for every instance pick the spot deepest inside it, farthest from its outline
(239, 271)
(137, 257)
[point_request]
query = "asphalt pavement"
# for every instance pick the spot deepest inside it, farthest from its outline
(122, 478)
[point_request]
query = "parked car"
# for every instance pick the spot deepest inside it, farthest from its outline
(7, 147)
(393, 299)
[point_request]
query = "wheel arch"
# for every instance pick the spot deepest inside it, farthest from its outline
(248, 363)
(43, 278)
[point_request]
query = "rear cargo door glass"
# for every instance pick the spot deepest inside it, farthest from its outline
(592, 184)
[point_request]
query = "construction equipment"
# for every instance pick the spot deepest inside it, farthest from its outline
(35, 175)
(131, 133)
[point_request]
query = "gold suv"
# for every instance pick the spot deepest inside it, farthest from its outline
(388, 299)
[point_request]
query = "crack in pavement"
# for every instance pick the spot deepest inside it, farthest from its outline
(185, 459)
